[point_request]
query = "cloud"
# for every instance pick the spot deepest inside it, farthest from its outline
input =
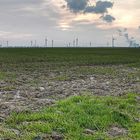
(108, 18)
(77, 5)
(101, 7)
(14, 35)
(130, 40)
(83, 6)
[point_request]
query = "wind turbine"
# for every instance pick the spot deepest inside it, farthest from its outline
(7, 43)
(31, 43)
(74, 43)
(77, 42)
(90, 44)
(52, 43)
(139, 29)
(113, 42)
(46, 42)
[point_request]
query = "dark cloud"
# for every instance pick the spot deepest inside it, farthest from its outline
(101, 7)
(108, 18)
(77, 5)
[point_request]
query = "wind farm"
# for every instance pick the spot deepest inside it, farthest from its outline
(131, 42)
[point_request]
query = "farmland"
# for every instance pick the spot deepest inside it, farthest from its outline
(69, 93)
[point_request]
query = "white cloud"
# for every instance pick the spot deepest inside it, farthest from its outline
(14, 35)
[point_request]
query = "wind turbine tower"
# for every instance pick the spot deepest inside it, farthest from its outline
(1, 44)
(113, 42)
(52, 43)
(74, 43)
(139, 29)
(31, 43)
(77, 42)
(7, 43)
(90, 44)
(46, 42)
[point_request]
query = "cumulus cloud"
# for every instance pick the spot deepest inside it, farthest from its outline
(101, 7)
(108, 18)
(84, 6)
(77, 5)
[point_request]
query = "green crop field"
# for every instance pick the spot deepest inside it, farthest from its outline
(70, 56)
(69, 93)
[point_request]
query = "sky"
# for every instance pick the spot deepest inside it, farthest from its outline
(95, 21)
